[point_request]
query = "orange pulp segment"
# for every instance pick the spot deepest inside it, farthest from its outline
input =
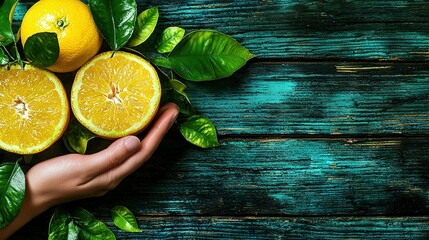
(34, 109)
(115, 96)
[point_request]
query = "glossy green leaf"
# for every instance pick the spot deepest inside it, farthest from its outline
(200, 131)
(77, 224)
(90, 227)
(4, 59)
(177, 85)
(76, 137)
(12, 191)
(7, 9)
(206, 55)
(42, 49)
(115, 20)
(145, 25)
(62, 226)
(124, 219)
(170, 37)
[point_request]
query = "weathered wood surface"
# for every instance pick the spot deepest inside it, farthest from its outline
(324, 135)
(331, 29)
(318, 98)
(318, 181)
(300, 177)
(320, 228)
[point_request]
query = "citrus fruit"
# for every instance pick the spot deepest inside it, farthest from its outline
(115, 96)
(78, 36)
(34, 109)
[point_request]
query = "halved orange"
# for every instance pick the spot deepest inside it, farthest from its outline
(34, 109)
(115, 94)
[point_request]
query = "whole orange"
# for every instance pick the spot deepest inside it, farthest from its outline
(78, 36)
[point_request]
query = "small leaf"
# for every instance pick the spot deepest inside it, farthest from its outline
(206, 55)
(177, 85)
(179, 97)
(115, 20)
(12, 191)
(42, 49)
(170, 37)
(61, 226)
(3, 58)
(162, 62)
(76, 137)
(77, 224)
(183, 103)
(90, 227)
(200, 131)
(145, 25)
(124, 219)
(7, 9)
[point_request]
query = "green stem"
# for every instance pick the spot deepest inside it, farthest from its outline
(138, 53)
(7, 52)
(18, 57)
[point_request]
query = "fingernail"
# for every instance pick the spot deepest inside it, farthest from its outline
(132, 143)
(174, 117)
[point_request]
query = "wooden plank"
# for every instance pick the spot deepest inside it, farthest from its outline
(276, 177)
(388, 228)
(333, 98)
(376, 30)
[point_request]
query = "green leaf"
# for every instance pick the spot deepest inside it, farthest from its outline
(206, 55)
(77, 224)
(6, 14)
(62, 226)
(115, 20)
(145, 25)
(76, 137)
(12, 191)
(4, 59)
(124, 219)
(90, 227)
(179, 97)
(177, 85)
(170, 37)
(42, 49)
(200, 131)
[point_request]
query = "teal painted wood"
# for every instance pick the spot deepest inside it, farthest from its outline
(333, 98)
(267, 228)
(335, 29)
(277, 177)
(259, 184)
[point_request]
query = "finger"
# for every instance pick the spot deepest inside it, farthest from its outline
(112, 156)
(165, 119)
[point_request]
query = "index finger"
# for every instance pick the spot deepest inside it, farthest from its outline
(166, 117)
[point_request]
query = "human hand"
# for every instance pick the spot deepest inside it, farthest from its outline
(74, 176)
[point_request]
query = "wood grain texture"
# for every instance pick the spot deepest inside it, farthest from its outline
(380, 228)
(323, 136)
(333, 98)
(277, 177)
(334, 29)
